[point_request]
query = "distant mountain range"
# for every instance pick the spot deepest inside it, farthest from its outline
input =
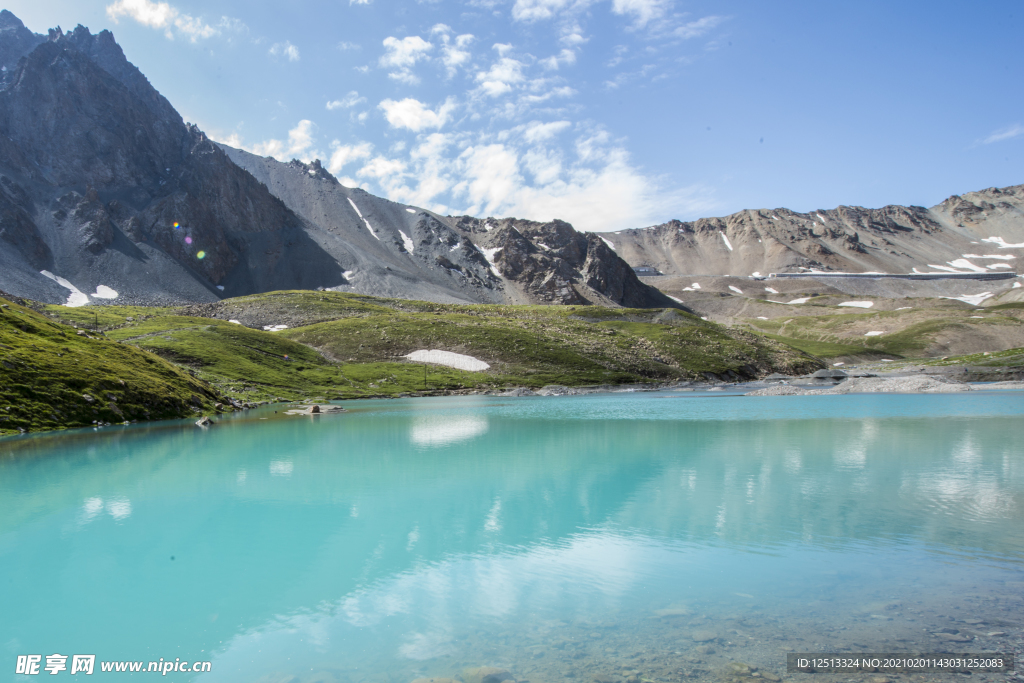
(108, 196)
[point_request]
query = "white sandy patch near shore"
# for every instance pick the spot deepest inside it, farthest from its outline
(858, 304)
(449, 359)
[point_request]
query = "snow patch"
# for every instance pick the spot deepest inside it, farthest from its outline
(858, 304)
(348, 274)
(770, 290)
(678, 301)
(873, 333)
(774, 217)
(964, 263)
(459, 244)
(904, 308)
(488, 227)
(1004, 257)
(411, 210)
(756, 273)
(610, 245)
(820, 216)
(995, 266)
(1002, 243)
(489, 255)
(220, 288)
(839, 363)
(799, 301)
(544, 246)
(449, 359)
(761, 317)
(275, 328)
(76, 298)
(104, 292)
(407, 242)
(945, 268)
(726, 240)
(736, 289)
(360, 214)
(235, 322)
(973, 299)
(696, 285)
(1015, 285)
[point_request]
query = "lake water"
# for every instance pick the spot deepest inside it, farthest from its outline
(660, 536)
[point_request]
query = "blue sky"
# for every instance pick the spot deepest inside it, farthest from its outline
(608, 113)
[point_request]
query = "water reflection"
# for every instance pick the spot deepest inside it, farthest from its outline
(402, 531)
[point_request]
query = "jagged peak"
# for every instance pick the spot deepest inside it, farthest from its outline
(9, 21)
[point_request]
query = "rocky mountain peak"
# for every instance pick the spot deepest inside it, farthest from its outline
(16, 40)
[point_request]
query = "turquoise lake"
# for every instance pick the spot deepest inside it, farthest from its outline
(653, 535)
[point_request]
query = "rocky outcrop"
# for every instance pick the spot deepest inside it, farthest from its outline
(553, 263)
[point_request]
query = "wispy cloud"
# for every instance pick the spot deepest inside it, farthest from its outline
(1007, 133)
(696, 29)
(285, 49)
(163, 15)
(347, 102)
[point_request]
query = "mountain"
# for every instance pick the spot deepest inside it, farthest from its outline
(104, 187)
(959, 235)
(106, 194)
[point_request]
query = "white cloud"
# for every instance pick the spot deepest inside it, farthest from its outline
(416, 116)
(502, 75)
(553, 62)
(358, 2)
(298, 146)
(643, 11)
(383, 168)
(1008, 133)
(342, 155)
(535, 10)
(491, 175)
(405, 52)
(695, 29)
(347, 102)
(402, 55)
(452, 53)
(285, 49)
(164, 16)
(345, 46)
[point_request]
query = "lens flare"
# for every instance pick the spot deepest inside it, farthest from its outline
(188, 240)
(201, 255)
(177, 227)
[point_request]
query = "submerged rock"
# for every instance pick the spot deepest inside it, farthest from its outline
(204, 421)
(486, 674)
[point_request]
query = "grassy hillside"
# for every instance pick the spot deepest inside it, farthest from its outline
(938, 330)
(53, 376)
(346, 346)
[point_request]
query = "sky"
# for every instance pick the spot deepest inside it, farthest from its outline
(610, 114)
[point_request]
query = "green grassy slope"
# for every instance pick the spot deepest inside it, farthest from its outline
(345, 345)
(53, 376)
(912, 334)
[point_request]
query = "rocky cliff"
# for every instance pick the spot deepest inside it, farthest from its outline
(967, 233)
(104, 187)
